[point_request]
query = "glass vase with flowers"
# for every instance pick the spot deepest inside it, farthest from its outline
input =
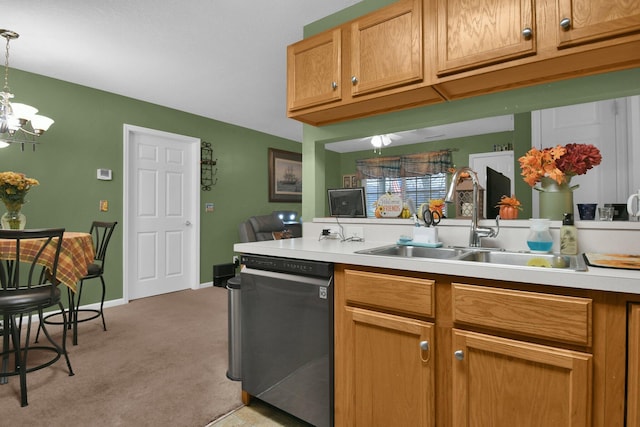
(553, 168)
(14, 186)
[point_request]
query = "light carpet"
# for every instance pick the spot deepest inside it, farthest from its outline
(162, 362)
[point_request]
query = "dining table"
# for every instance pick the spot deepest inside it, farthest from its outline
(76, 254)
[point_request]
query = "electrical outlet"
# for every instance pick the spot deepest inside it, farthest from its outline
(334, 232)
(353, 232)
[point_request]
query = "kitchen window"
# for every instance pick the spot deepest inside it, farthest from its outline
(420, 189)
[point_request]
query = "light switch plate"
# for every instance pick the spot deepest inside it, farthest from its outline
(104, 174)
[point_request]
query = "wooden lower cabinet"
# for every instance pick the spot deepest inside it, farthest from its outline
(633, 367)
(502, 382)
(388, 370)
(420, 349)
(384, 359)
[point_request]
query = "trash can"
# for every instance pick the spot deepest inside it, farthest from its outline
(235, 332)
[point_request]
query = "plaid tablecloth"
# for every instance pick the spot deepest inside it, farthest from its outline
(75, 256)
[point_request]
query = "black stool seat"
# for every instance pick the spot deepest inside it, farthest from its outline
(18, 301)
(28, 286)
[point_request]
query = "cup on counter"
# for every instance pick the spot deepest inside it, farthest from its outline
(587, 211)
(606, 213)
(633, 204)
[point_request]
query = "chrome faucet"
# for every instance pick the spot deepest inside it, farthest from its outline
(475, 233)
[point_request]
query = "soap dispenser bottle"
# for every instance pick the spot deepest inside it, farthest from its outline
(539, 239)
(568, 236)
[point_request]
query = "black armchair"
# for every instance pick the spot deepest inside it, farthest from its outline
(260, 228)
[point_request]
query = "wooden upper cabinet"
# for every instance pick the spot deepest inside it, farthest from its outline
(473, 34)
(314, 70)
(386, 48)
(584, 21)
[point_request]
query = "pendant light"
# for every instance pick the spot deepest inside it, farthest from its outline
(19, 123)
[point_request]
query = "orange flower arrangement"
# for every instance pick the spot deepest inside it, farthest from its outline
(558, 162)
(509, 201)
(436, 205)
(509, 207)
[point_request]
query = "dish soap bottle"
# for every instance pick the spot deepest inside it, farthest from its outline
(539, 238)
(568, 236)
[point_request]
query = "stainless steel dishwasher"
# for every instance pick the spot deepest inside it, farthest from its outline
(287, 335)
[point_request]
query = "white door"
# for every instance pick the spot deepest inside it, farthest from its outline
(602, 124)
(501, 161)
(161, 227)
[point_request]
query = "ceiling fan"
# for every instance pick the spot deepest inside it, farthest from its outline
(410, 136)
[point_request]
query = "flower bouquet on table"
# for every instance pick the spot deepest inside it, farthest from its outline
(509, 207)
(14, 186)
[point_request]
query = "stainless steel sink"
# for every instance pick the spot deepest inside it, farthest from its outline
(572, 262)
(407, 251)
(482, 255)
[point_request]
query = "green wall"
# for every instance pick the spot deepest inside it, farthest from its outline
(88, 134)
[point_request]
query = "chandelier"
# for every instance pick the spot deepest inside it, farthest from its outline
(19, 123)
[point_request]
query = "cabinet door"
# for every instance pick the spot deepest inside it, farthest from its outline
(313, 70)
(472, 34)
(583, 21)
(502, 383)
(390, 370)
(633, 368)
(386, 48)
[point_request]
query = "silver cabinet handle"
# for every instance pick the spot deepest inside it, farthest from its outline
(354, 80)
(527, 33)
(188, 223)
(565, 23)
(424, 347)
(459, 354)
(334, 85)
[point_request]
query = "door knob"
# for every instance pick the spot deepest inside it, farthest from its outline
(188, 223)
(459, 354)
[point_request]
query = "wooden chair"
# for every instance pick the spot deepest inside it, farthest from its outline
(28, 268)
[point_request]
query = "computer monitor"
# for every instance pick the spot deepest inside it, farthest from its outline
(347, 202)
(498, 185)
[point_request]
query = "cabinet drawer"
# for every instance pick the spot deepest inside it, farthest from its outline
(397, 293)
(555, 317)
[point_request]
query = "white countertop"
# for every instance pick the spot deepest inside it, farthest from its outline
(333, 250)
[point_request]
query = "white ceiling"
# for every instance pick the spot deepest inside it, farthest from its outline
(433, 133)
(221, 59)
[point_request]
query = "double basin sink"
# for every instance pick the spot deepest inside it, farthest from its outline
(483, 255)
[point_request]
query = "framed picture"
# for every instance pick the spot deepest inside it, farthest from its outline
(285, 176)
(349, 181)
